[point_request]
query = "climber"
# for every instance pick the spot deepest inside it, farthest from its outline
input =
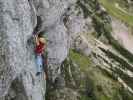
(39, 50)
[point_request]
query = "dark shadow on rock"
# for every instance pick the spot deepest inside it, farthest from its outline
(16, 91)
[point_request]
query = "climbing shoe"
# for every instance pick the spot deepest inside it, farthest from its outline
(38, 73)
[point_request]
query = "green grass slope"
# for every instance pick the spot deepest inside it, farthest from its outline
(110, 5)
(104, 87)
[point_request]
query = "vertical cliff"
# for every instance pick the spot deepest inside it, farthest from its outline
(89, 49)
(17, 67)
(18, 20)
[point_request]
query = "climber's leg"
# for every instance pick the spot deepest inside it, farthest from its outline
(45, 71)
(45, 66)
(39, 64)
(45, 77)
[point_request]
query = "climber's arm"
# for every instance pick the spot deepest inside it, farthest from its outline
(44, 47)
(36, 40)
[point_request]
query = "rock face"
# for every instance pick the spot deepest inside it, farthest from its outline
(15, 28)
(82, 25)
(17, 22)
(16, 56)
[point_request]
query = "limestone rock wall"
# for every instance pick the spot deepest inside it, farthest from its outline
(17, 62)
(15, 29)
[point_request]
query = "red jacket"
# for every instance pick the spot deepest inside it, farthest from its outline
(39, 49)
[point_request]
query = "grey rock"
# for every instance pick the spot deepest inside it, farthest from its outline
(17, 22)
(16, 56)
(65, 25)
